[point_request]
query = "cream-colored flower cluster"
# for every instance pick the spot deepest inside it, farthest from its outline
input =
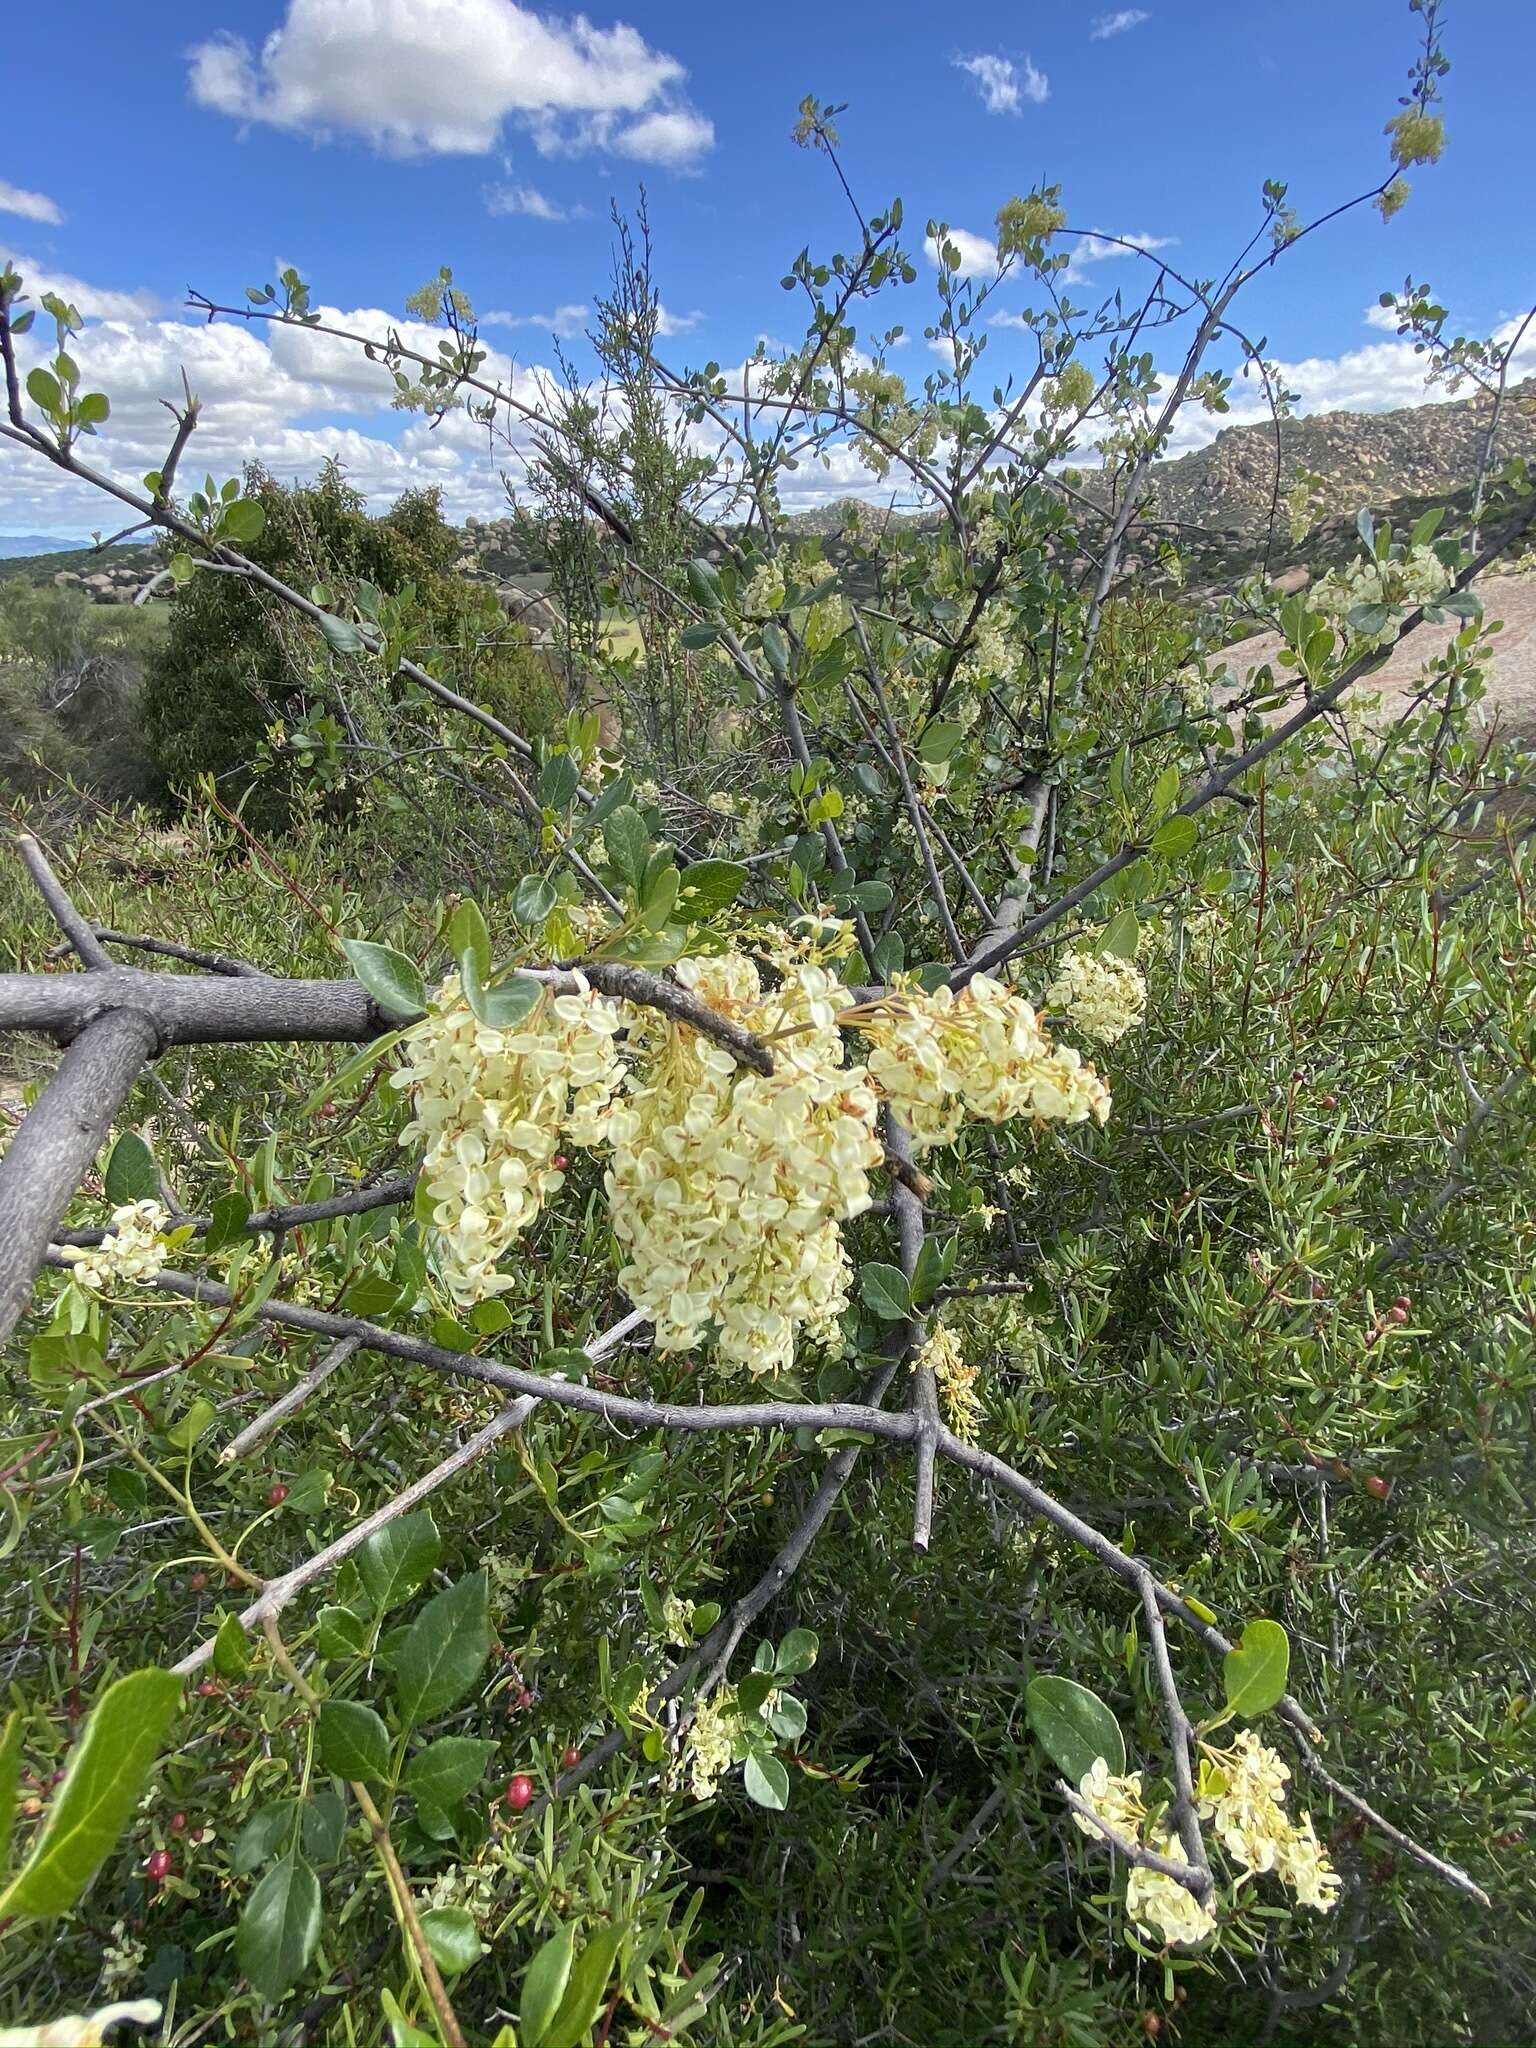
(1159, 1904)
(1416, 578)
(491, 1107)
(939, 1056)
(1242, 1797)
(712, 1741)
(134, 1251)
(1241, 1793)
(1104, 997)
(765, 589)
(726, 1187)
(954, 1379)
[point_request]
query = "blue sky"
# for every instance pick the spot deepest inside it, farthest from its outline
(367, 141)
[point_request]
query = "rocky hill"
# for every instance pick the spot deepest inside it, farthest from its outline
(1375, 459)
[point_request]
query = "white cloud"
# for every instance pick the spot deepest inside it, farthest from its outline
(976, 252)
(1003, 86)
(675, 137)
(1096, 247)
(1116, 24)
(668, 323)
(527, 199)
(1382, 317)
(29, 205)
(94, 301)
(444, 75)
(564, 320)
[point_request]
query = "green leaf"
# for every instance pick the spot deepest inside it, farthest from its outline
(788, 1718)
(262, 1836)
(939, 741)
(101, 1788)
(10, 1771)
(279, 1927)
(394, 982)
(452, 1937)
(1121, 936)
(660, 897)
(766, 1780)
(798, 1652)
(504, 1006)
(341, 635)
(628, 840)
(558, 781)
(700, 635)
(231, 1651)
(586, 1992)
(467, 933)
(242, 521)
(711, 885)
(704, 581)
(445, 1771)
(92, 408)
(353, 1741)
(43, 389)
(403, 2034)
(1174, 838)
(341, 1634)
(1073, 1727)
(533, 899)
(323, 1826)
(544, 1988)
(193, 1425)
(228, 1217)
(1255, 1670)
(776, 648)
(445, 1650)
(131, 1174)
(884, 1290)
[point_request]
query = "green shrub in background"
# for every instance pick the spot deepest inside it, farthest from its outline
(237, 673)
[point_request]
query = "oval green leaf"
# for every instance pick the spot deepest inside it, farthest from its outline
(1255, 1671)
(394, 982)
(766, 1780)
(1074, 1727)
(101, 1788)
(354, 1742)
(444, 1650)
(279, 1927)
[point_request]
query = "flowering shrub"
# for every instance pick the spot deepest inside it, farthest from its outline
(135, 1250)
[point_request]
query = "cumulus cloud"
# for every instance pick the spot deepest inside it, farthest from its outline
(528, 200)
(1004, 86)
(1116, 24)
(669, 323)
(977, 253)
(1096, 247)
(93, 300)
(1382, 317)
(29, 205)
(564, 320)
(443, 76)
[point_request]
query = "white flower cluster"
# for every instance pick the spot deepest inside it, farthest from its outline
(996, 652)
(1242, 1797)
(1159, 1904)
(954, 1379)
(1104, 997)
(726, 1187)
(765, 589)
(135, 1251)
(712, 1741)
(939, 1056)
(1241, 1790)
(492, 1106)
(1416, 578)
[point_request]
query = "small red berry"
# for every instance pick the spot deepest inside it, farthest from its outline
(1397, 1315)
(570, 1757)
(1319, 1290)
(560, 1162)
(519, 1792)
(209, 1689)
(198, 1582)
(1377, 1487)
(178, 1823)
(1403, 1302)
(1330, 1102)
(327, 1109)
(276, 1495)
(157, 1866)
(519, 1702)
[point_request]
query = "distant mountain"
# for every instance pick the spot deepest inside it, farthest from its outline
(34, 544)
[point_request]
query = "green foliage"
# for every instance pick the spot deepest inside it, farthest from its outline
(235, 673)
